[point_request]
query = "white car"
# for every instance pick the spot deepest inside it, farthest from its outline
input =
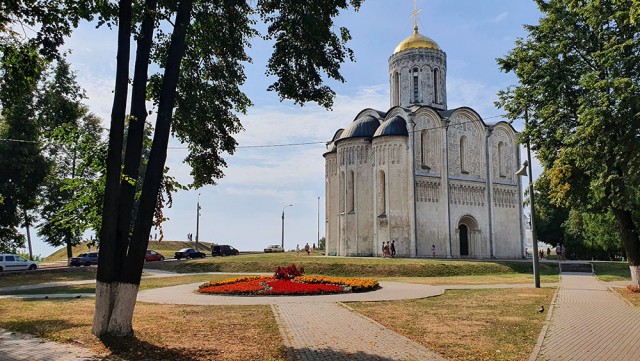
(13, 262)
(274, 248)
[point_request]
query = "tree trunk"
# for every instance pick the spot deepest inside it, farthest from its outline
(158, 155)
(116, 295)
(631, 242)
(135, 135)
(116, 301)
(109, 265)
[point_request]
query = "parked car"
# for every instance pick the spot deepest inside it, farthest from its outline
(189, 253)
(274, 248)
(13, 262)
(85, 259)
(152, 255)
(223, 250)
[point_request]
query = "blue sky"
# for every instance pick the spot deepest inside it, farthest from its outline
(244, 209)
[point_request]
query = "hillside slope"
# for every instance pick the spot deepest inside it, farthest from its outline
(167, 248)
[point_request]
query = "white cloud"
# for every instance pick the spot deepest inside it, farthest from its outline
(501, 17)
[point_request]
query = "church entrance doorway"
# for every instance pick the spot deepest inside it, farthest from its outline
(464, 239)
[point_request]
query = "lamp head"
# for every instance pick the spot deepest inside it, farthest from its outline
(523, 170)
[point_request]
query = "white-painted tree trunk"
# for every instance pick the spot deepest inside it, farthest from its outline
(115, 303)
(635, 275)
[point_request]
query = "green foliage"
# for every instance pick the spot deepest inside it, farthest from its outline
(23, 166)
(72, 194)
(578, 80)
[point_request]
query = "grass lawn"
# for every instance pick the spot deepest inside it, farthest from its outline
(353, 266)
(145, 284)
(497, 324)
(47, 276)
(162, 332)
(612, 271)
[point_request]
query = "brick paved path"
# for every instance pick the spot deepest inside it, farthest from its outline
(589, 322)
(18, 347)
(330, 331)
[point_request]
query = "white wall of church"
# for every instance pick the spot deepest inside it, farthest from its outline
(332, 204)
(391, 189)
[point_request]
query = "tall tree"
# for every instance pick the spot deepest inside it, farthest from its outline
(578, 72)
(21, 160)
(200, 47)
(75, 154)
(24, 53)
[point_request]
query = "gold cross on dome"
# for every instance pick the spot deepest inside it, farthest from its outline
(415, 13)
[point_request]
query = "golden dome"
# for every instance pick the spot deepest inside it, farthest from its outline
(416, 41)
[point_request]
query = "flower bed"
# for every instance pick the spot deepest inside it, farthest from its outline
(288, 281)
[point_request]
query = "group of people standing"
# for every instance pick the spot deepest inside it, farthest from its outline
(388, 249)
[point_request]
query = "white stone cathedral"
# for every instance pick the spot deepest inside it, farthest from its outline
(422, 175)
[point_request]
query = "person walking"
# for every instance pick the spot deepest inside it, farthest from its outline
(433, 250)
(297, 249)
(393, 248)
(307, 249)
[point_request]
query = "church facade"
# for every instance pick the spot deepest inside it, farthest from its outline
(422, 175)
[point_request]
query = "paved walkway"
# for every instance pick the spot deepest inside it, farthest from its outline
(585, 322)
(19, 347)
(589, 322)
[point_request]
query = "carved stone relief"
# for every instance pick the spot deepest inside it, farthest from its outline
(505, 197)
(502, 155)
(428, 191)
(464, 194)
(462, 126)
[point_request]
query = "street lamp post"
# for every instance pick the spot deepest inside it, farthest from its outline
(198, 222)
(290, 205)
(534, 235)
(318, 222)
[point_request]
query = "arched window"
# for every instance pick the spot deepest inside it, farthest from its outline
(415, 86)
(350, 192)
(396, 88)
(382, 195)
(342, 192)
(501, 164)
(463, 155)
(435, 86)
(423, 149)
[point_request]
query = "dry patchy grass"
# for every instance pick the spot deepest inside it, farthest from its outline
(162, 332)
(465, 325)
(511, 278)
(633, 297)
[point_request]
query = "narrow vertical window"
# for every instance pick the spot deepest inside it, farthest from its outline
(382, 195)
(396, 88)
(342, 192)
(501, 170)
(415, 86)
(435, 86)
(423, 149)
(350, 192)
(463, 155)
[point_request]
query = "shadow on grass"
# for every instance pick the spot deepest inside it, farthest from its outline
(40, 328)
(330, 354)
(132, 348)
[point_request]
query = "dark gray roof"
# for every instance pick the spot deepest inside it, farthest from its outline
(394, 126)
(364, 127)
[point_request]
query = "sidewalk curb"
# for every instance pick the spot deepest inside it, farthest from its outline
(536, 350)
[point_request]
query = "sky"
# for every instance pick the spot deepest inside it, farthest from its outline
(244, 209)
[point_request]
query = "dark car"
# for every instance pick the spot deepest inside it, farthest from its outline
(152, 255)
(85, 259)
(189, 253)
(223, 250)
